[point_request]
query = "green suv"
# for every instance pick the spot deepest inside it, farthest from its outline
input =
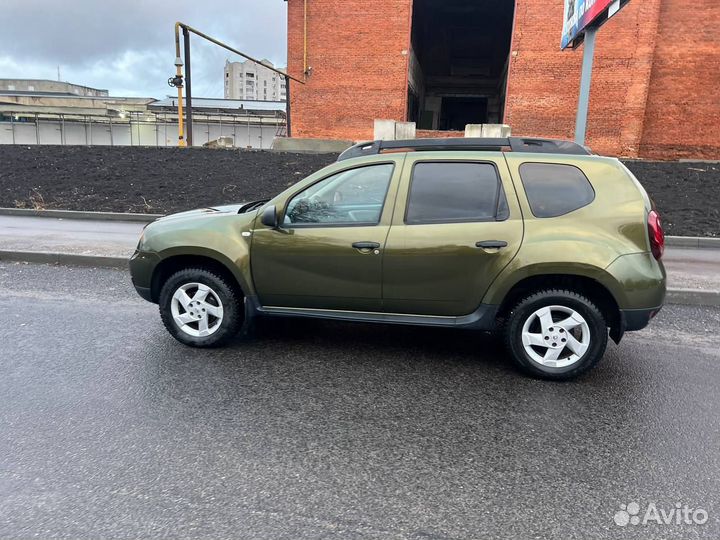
(553, 246)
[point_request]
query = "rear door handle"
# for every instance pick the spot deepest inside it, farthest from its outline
(366, 245)
(490, 244)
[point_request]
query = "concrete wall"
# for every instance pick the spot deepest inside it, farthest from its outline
(43, 85)
(99, 134)
(85, 102)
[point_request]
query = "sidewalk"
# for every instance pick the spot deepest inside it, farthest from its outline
(693, 268)
(72, 236)
(693, 274)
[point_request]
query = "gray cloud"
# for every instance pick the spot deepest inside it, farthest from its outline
(128, 47)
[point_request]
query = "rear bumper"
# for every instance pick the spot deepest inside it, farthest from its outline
(632, 320)
(637, 319)
(638, 280)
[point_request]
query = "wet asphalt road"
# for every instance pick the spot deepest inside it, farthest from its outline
(110, 429)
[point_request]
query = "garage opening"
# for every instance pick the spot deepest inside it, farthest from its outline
(459, 62)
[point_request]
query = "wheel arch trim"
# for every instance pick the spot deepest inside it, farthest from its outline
(511, 277)
(234, 268)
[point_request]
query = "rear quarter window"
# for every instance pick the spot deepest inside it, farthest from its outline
(554, 190)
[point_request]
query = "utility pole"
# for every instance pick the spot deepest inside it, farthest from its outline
(585, 84)
(287, 107)
(188, 86)
(581, 26)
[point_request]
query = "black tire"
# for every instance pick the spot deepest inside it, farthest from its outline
(228, 294)
(529, 305)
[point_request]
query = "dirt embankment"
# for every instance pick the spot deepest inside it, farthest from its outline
(164, 180)
(154, 180)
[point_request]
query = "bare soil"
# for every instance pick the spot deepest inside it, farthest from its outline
(686, 194)
(164, 180)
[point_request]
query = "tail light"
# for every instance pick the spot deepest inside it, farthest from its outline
(657, 235)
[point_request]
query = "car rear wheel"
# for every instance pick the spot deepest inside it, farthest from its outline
(200, 308)
(555, 334)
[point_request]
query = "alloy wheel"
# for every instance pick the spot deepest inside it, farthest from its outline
(556, 336)
(196, 309)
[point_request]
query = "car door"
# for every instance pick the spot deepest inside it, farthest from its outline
(327, 251)
(457, 224)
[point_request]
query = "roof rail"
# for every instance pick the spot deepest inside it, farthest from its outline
(514, 144)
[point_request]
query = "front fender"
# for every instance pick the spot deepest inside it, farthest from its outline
(224, 238)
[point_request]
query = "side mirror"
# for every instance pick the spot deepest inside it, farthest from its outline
(269, 217)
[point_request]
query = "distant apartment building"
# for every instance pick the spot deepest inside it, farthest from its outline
(252, 81)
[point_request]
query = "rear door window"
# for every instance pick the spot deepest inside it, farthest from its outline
(554, 190)
(446, 192)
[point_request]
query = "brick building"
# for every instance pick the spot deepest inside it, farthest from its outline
(450, 62)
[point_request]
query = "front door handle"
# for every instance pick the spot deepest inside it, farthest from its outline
(491, 244)
(366, 245)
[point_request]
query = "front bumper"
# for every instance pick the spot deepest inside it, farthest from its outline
(144, 292)
(142, 266)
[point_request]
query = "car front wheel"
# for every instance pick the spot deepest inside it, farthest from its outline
(555, 334)
(200, 308)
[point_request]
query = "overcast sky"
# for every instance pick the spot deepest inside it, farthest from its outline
(128, 46)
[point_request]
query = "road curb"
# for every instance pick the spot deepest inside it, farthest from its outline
(73, 214)
(693, 242)
(690, 297)
(693, 297)
(71, 259)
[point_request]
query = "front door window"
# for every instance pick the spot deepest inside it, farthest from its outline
(352, 197)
